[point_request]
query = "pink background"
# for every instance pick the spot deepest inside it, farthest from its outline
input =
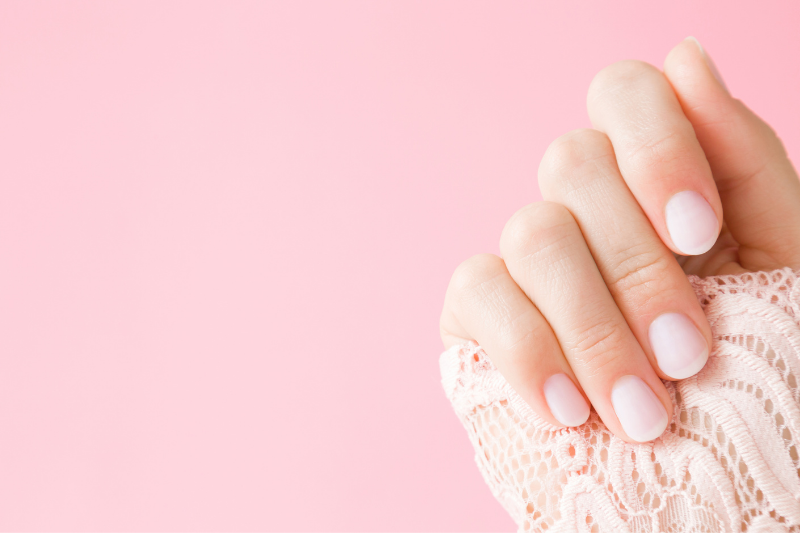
(226, 230)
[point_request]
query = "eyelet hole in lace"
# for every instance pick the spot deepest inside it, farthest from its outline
(648, 486)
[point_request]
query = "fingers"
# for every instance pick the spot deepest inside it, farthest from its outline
(757, 184)
(485, 304)
(548, 257)
(658, 154)
(650, 289)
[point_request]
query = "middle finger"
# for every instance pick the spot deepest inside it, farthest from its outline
(579, 171)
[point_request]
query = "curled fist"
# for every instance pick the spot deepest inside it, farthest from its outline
(590, 304)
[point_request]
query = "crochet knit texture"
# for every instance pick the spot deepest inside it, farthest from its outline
(727, 462)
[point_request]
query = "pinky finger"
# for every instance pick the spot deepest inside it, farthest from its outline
(483, 303)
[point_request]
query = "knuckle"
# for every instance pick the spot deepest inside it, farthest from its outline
(474, 272)
(653, 149)
(639, 272)
(650, 141)
(570, 152)
(599, 345)
(534, 227)
(619, 76)
(517, 338)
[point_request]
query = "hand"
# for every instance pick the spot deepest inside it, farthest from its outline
(589, 302)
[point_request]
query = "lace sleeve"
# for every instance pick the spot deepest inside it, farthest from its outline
(727, 462)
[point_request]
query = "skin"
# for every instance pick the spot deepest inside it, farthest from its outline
(584, 272)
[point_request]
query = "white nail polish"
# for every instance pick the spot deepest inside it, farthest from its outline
(680, 349)
(638, 408)
(565, 400)
(691, 222)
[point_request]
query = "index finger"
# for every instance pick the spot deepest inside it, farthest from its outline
(658, 154)
(756, 180)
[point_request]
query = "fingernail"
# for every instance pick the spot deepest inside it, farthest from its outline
(710, 62)
(679, 347)
(565, 400)
(639, 411)
(691, 223)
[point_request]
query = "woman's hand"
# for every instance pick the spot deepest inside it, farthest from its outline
(589, 303)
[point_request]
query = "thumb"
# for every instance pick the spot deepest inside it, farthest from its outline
(758, 187)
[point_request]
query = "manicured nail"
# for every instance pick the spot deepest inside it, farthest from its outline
(565, 401)
(692, 223)
(710, 62)
(679, 347)
(639, 411)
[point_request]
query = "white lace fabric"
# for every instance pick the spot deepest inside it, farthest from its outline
(727, 462)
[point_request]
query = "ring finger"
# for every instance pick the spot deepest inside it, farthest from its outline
(547, 256)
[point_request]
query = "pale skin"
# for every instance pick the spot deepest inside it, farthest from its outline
(590, 303)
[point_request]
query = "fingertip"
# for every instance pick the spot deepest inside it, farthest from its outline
(709, 63)
(679, 347)
(639, 409)
(692, 223)
(689, 59)
(757, 182)
(566, 403)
